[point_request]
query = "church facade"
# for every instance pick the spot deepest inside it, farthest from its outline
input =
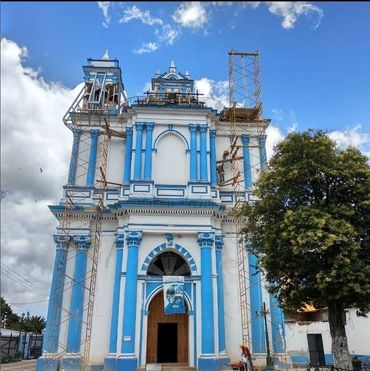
(165, 214)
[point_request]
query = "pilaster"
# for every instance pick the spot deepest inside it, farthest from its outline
(193, 153)
(92, 157)
(256, 302)
(74, 157)
(83, 243)
(213, 167)
(219, 243)
(148, 150)
(277, 325)
(262, 148)
(203, 154)
(128, 359)
(138, 148)
(247, 162)
(207, 360)
(128, 156)
(51, 337)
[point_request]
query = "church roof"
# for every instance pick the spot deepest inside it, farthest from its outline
(172, 74)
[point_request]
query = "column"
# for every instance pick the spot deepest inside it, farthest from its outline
(148, 151)
(74, 157)
(203, 153)
(128, 156)
(50, 343)
(77, 296)
(277, 325)
(116, 293)
(263, 156)
(129, 361)
(193, 153)
(138, 148)
(247, 161)
(205, 240)
(92, 157)
(256, 302)
(213, 167)
(219, 243)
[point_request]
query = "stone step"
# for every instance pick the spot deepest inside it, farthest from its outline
(169, 367)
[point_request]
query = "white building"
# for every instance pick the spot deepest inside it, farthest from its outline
(165, 214)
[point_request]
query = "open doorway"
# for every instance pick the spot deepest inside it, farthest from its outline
(167, 343)
(167, 336)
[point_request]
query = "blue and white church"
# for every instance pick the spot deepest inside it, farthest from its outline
(166, 213)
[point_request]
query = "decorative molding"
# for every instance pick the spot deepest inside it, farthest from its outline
(178, 248)
(120, 239)
(94, 133)
(134, 238)
(193, 128)
(245, 139)
(149, 125)
(219, 242)
(62, 242)
(83, 242)
(139, 125)
(167, 132)
(76, 132)
(205, 239)
(169, 237)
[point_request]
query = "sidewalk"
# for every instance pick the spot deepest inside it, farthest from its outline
(28, 365)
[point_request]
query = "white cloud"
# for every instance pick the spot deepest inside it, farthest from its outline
(277, 114)
(33, 137)
(290, 11)
(164, 33)
(191, 15)
(104, 6)
(351, 137)
(134, 12)
(167, 35)
(215, 93)
(274, 136)
(147, 48)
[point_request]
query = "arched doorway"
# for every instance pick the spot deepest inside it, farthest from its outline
(167, 337)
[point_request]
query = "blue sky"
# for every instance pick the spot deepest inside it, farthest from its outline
(318, 73)
(315, 60)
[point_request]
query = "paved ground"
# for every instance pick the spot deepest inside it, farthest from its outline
(19, 366)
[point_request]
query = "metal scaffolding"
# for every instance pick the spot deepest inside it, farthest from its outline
(92, 109)
(245, 107)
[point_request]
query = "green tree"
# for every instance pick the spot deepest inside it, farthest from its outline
(310, 228)
(35, 324)
(6, 313)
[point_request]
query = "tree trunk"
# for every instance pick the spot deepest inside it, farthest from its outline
(339, 347)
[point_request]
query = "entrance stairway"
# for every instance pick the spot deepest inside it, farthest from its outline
(169, 367)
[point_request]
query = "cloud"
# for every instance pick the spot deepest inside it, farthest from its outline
(274, 136)
(33, 137)
(104, 6)
(191, 15)
(215, 93)
(134, 12)
(147, 48)
(167, 34)
(277, 114)
(290, 11)
(351, 137)
(164, 33)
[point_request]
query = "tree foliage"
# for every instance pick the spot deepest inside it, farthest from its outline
(310, 225)
(28, 323)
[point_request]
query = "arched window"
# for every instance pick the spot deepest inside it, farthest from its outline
(168, 264)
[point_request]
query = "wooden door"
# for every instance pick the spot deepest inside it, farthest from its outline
(157, 317)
